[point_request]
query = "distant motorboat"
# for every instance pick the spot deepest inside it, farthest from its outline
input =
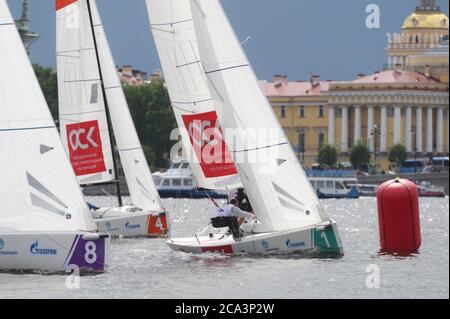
(335, 187)
(367, 190)
(331, 183)
(178, 182)
(428, 190)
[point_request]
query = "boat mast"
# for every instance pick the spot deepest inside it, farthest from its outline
(119, 195)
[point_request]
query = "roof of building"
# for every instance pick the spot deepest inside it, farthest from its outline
(426, 20)
(293, 89)
(397, 76)
(289, 89)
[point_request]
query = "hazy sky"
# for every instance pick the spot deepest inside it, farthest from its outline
(291, 37)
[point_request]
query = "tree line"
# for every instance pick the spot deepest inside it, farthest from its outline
(361, 157)
(149, 106)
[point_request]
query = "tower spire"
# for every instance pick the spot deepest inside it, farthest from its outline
(428, 5)
(28, 37)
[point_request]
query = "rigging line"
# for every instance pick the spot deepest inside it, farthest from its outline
(112, 87)
(193, 102)
(165, 31)
(81, 113)
(229, 68)
(79, 81)
(74, 50)
(170, 23)
(25, 128)
(260, 148)
(2, 24)
(105, 101)
(188, 64)
(129, 149)
(68, 56)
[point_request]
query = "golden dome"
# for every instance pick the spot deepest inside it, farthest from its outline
(426, 20)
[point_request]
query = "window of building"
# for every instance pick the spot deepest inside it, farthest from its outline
(283, 112)
(301, 141)
(321, 138)
(338, 113)
(321, 111)
(301, 112)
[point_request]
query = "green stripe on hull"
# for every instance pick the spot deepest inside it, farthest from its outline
(325, 239)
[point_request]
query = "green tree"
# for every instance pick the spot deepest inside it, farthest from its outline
(328, 156)
(49, 85)
(154, 120)
(360, 155)
(398, 155)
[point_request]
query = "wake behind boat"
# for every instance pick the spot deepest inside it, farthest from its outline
(45, 224)
(91, 103)
(288, 211)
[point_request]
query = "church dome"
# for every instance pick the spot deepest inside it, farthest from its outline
(426, 20)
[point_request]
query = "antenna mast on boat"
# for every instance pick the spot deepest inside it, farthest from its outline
(105, 100)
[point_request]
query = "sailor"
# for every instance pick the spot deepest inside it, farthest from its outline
(243, 201)
(232, 217)
(232, 209)
(232, 194)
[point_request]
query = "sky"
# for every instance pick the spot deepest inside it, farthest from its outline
(288, 37)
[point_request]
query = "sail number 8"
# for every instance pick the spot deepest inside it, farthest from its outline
(91, 252)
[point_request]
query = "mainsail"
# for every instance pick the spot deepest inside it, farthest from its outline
(142, 190)
(275, 182)
(82, 113)
(174, 35)
(38, 189)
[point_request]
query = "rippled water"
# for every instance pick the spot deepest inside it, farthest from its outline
(147, 268)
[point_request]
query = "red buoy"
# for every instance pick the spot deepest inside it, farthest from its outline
(399, 217)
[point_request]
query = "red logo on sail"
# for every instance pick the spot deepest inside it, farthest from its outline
(63, 3)
(206, 138)
(85, 148)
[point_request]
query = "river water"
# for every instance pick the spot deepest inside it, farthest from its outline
(147, 268)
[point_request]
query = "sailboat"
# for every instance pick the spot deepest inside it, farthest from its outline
(45, 223)
(91, 104)
(289, 216)
(174, 35)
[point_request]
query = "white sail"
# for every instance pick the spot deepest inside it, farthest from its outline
(38, 189)
(83, 121)
(137, 173)
(174, 35)
(275, 182)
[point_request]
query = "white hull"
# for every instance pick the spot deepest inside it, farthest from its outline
(77, 252)
(131, 222)
(319, 239)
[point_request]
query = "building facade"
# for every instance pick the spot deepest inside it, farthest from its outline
(422, 44)
(405, 103)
